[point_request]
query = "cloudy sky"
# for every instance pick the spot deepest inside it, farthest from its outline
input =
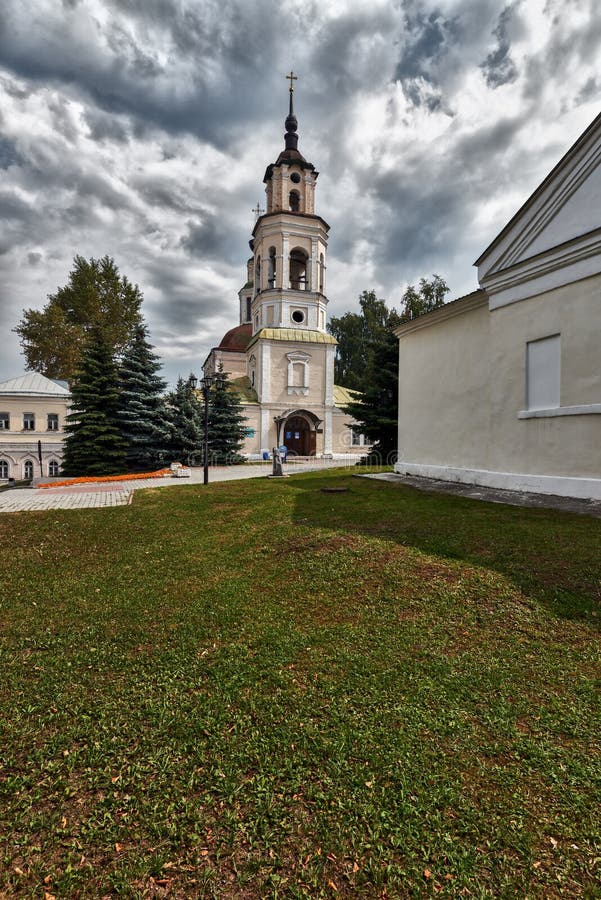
(142, 128)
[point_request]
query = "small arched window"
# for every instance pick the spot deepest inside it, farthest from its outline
(3, 468)
(271, 272)
(28, 470)
(294, 201)
(53, 467)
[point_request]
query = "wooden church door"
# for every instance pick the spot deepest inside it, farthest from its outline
(297, 436)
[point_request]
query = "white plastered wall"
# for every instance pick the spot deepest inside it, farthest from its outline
(462, 387)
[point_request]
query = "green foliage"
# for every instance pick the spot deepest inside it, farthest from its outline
(368, 361)
(94, 444)
(358, 334)
(142, 410)
(186, 422)
(226, 422)
(430, 296)
(96, 296)
(377, 409)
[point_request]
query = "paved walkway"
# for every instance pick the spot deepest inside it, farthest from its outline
(495, 495)
(120, 493)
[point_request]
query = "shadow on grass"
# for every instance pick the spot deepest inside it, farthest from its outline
(553, 557)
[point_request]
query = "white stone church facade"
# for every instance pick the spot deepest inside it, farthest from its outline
(280, 357)
(503, 387)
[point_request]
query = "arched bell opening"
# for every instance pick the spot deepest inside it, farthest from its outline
(271, 272)
(258, 275)
(299, 270)
(294, 201)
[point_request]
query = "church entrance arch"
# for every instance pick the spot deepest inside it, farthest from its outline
(299, 437)
(298, 430)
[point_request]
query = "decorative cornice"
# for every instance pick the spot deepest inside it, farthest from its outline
(292, 335)
(558, 257)
(295, 225)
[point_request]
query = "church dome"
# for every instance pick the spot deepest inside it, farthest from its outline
(237, 338)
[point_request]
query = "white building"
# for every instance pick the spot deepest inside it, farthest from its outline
(280, 355)
(33, 409)
(503, 387)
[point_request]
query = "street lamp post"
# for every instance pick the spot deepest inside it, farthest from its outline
(207, 381)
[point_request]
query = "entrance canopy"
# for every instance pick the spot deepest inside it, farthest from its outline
(313, 421)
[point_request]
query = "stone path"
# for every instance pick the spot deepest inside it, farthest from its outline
(120, 493)
(495, 495)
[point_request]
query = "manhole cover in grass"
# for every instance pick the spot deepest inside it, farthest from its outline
(336, 490)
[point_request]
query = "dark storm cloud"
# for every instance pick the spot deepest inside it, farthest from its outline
(186, 303)
(207, 50)
(498, 67)
(428, 35)
(591, 88)
(428, 207)
(432, 49)
(205, 239)
(8, 153)
(105, 127)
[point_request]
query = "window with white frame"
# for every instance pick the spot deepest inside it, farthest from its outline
(28, 470)
(298, 372)
(3, 468)
(4, 421)
(28, 421)
(357, 439)
(53, 467)
(543, 373)
(52, 422)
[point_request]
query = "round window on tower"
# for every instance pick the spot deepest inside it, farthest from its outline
(298, 316)
(295, 178)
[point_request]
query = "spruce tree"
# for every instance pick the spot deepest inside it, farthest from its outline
(142, 413)
(226, 422)
(185, 414)
(94, 445)
(377, 409)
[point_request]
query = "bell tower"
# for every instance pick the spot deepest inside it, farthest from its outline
(289, 243)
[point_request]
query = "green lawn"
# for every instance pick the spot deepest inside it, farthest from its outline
(258, 689)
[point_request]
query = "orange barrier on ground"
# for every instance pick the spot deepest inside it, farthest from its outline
(95, 479)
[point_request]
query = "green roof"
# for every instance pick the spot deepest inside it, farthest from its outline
(294, 336)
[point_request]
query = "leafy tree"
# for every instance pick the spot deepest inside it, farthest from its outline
(358, 334)
(142, 412)
(430, 296)
(94, 444)
(226, 422)
(376, 410)
(96, 296)
(185, 416)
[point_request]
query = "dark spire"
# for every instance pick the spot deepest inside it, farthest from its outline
(291, 137)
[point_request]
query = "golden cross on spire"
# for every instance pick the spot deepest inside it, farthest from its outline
(292, 77)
